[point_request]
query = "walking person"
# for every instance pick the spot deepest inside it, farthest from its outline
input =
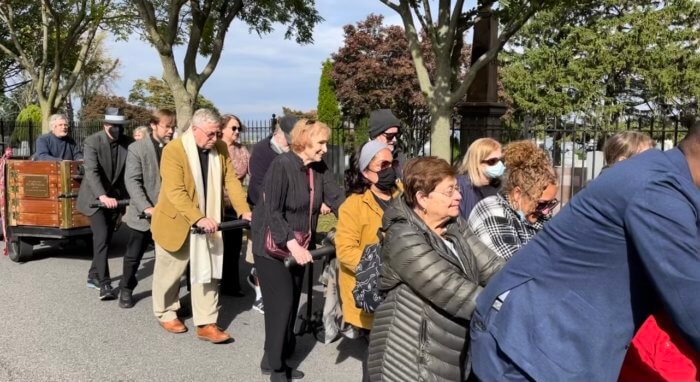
(194, 170)
(103, 182)
(295, 186)
(142, 179)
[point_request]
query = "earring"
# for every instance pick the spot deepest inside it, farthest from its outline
(425, 211)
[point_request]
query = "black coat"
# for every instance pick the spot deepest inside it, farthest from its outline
(421, 330)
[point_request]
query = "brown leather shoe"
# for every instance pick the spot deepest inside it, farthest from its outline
(174, 326)
(212, 333)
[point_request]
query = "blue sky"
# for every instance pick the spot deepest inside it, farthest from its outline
(256, 76)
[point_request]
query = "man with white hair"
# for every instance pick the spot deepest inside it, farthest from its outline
(193, 169)
(57, 145)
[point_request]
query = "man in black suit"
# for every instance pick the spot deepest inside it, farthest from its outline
(105, 155)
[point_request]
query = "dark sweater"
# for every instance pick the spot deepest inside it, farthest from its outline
(472, 195)
(261, 157)
(51, 147)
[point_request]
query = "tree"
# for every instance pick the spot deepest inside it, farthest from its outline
(445, 32)
(95, 109)
(50, 40)
(154, 93)
(287, 111)
(202, 25)
(328, 111)
(27, 124)
(100, 73)
(620, 58)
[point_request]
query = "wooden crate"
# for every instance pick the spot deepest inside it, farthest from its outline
(43, 193)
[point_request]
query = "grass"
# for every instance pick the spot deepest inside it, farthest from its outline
(326, 222)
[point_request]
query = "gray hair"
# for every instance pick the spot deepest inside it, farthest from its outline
(55, 117)
(143, 130)
(202, 116)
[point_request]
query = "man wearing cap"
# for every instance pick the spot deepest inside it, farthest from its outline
(386, 128)
(57, 145)
(105, 156)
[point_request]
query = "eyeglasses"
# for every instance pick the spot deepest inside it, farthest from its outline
(546, 205)
(210, 134)
(236, 128)
(450, 191)
(491, 161)
(390, 136)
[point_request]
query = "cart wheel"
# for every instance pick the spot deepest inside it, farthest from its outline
(20, 250)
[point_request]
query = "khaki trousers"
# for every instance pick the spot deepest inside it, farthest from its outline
(169, 268)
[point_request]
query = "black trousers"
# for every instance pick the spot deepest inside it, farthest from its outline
(138, 242)
(281, 289)
(233, 240)
(102, 224)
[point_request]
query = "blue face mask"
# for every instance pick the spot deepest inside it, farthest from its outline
(495, 171)
(521, 215)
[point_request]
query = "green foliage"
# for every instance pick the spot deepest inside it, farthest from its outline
(28, 117)
(154, 93)
(328, 110)
(621, 57)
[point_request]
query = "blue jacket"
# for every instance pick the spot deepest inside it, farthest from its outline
(626, 244)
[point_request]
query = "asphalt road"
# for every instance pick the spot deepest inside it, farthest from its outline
(53, 328)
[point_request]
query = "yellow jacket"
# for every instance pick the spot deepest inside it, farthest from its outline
(359, 218)
(177, 209)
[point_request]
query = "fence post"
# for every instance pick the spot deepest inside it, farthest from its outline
(273, 123)
(31, 138)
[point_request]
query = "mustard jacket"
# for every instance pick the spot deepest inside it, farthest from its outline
(359, 218)
(177, 209)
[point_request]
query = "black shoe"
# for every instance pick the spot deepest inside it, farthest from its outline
(93, 283)
(107, 293)
(290, 374)
(279, 376)
(126, 300)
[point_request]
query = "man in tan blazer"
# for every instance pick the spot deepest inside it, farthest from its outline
(194, 169)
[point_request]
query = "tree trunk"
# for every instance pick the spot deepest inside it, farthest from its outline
(440, 137)
(46, 111)
(184, 101)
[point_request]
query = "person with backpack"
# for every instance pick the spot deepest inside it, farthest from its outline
(433, 269)
(371, 185)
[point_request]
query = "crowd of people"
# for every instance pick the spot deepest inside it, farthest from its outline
(478, 278)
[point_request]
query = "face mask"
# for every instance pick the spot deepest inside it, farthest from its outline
(495, 171)
(387, 179)
(116, 131)
(521, 215)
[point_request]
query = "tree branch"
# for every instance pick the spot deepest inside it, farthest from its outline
(391, 5)
(199, 20)
(218, 43)
(414, 46)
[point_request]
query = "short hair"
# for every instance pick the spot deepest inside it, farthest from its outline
(55, 117)
(302, 132)
(527, 167)
(145, 130)
(160, 113)
(424, 174)
(625, 144)
(205, 116)
(226, 118)
(477, 152)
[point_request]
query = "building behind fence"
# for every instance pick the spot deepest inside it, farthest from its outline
(575, 147)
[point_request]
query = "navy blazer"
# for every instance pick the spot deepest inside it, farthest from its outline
(625, 245)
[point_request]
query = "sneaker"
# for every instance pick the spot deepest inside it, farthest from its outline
(252, 278)
(107, 293)
(258, 306)
(93, 283)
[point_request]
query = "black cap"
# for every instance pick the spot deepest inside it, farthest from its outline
(380, 121)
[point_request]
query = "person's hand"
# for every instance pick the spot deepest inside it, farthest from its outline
(108, 202)
(247, 216)
(299, 253)
(325, 210)
(148, 211)
(207, 225)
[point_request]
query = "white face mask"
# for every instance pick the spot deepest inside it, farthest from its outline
(495, 171)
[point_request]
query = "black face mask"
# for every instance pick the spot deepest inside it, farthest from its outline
(387, 179)
(116, 131)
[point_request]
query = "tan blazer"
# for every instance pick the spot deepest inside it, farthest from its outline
(177, 209)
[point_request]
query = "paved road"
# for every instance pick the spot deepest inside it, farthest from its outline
(52, 328)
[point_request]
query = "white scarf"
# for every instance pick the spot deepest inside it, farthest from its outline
(206, 251)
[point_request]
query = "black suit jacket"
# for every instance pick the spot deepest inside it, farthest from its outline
(100, 179)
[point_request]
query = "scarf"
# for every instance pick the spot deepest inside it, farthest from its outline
(206, 251)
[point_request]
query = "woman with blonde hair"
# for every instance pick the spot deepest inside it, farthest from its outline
(479, 173)
(284, 218)
(624, 145)
(506, 221)
(141, 132)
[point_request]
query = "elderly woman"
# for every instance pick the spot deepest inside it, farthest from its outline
(479, 173)
(433, 270)
(507, 221)
(624, 145)
(233, 240)
(140, 132)
(294, 187)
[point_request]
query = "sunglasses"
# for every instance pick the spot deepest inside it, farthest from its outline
(236, 128)
(546, 205)
(390, 136)
(491, 161)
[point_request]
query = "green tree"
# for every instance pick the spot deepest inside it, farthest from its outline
(202, 26)
(445, 31)
(50, 41)
(328, 111)
(154, 93)
(29, 117)
(619, 58)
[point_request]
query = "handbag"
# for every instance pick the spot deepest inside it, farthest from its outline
(303, 238)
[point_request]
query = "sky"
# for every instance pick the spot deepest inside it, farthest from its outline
(256, 76)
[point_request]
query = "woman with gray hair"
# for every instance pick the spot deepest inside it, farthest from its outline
(140, 132)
